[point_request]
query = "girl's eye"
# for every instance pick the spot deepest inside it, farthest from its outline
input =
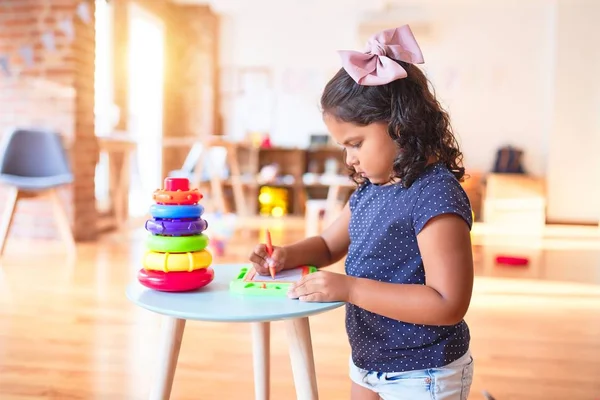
(355, 145)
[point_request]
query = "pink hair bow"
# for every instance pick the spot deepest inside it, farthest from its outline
(376, 66)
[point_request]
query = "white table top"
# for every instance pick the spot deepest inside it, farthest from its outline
(215, 302)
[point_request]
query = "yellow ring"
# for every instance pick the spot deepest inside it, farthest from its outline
(167, 262)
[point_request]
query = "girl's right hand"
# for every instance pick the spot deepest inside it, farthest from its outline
(261, 261)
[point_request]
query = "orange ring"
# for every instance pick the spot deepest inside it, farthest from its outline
(186, 197)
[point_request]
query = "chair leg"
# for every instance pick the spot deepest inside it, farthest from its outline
(238, 188)
(7, 216)
(216, 194)
(62, 221)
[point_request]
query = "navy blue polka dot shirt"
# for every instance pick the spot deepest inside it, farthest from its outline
(383, 230)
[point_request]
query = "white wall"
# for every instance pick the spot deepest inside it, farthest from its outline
(297, 44)
(493, 77)
(573, 161)
(498, 67)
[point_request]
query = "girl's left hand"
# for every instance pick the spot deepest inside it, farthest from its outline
(322, 286)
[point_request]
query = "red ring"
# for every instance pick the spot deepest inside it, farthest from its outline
(176, 281)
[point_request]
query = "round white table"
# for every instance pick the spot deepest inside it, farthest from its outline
(216, 303)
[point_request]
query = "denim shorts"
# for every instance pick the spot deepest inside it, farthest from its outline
(450, 382)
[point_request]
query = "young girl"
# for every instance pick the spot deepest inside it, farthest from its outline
(405, 230)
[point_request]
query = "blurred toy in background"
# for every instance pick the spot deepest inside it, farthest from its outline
(220, 231)
(273, 201)
(266, 142)
(268, 173)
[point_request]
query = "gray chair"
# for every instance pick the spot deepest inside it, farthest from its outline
(33, 163)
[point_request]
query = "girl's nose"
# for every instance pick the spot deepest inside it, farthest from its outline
(351, 159)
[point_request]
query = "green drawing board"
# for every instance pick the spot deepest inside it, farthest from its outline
(248, 282)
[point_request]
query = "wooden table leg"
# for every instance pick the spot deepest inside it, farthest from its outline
(301, 356)
(121, 197)
(261, 334)
(170, 343)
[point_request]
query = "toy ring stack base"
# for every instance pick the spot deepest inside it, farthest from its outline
(176, 281)
(177, 259)
(176, 272)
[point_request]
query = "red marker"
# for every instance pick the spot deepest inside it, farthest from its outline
(270, 252)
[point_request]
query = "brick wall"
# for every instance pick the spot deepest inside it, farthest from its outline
(57, 92)
(85, 150)
(191, 33)
(194, 78)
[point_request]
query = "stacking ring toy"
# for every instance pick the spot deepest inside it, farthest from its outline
(176, 191)
(178, 197)
(167, 262)
(176, 227)
(176, 244)
(165, 211)
(176, 281)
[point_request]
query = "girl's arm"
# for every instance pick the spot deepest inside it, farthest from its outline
(322, 250)
(445, 246)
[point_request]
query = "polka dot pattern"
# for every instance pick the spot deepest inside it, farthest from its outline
(383, 231)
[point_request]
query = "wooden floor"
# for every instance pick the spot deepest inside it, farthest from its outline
(68, 332)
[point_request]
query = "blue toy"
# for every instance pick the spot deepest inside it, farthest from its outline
(166, 211)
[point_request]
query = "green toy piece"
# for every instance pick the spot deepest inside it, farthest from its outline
(248, 282)
(176, 244)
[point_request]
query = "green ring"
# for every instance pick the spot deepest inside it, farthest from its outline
(176, 244)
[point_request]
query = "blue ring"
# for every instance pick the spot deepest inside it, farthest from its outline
(176, 212)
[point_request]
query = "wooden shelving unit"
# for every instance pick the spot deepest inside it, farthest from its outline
(293, 164)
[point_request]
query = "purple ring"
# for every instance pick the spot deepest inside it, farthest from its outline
(175, 227)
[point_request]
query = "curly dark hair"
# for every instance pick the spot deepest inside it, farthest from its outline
(416, 121)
